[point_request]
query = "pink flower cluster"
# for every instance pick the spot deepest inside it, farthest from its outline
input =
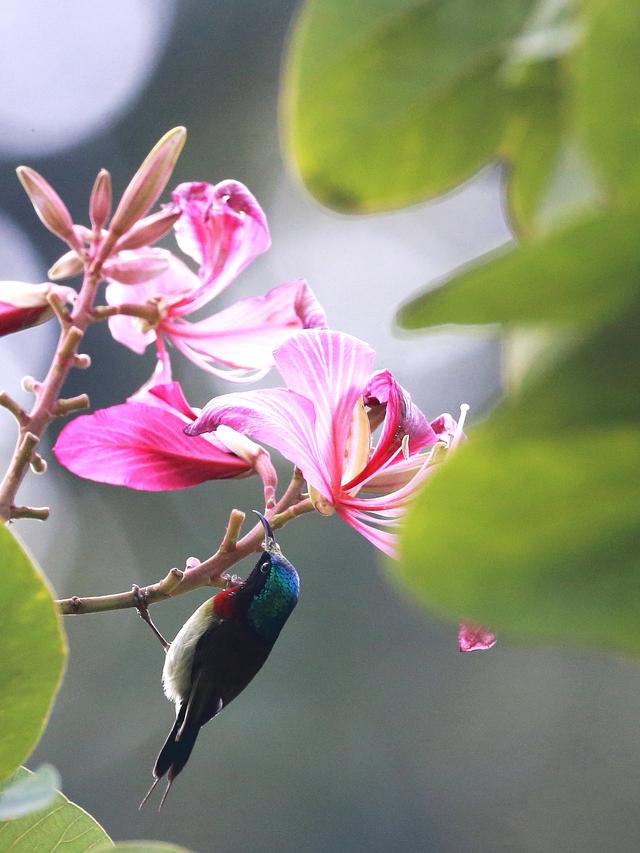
(354, 433)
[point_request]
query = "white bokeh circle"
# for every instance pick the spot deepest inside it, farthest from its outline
(67, 69)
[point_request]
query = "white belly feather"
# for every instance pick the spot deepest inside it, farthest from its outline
(176, 675)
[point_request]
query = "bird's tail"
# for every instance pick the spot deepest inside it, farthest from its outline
(174, 754)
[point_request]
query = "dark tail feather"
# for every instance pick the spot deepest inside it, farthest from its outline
(173, 755)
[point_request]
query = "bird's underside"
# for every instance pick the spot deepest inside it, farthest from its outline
(226, 658)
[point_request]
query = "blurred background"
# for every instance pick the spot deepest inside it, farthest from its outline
(367, 729)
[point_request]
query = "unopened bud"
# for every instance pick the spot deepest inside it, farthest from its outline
(48, 205)
(146, 231)
(100, 200)
(23, 304)
(148, 182)
(136, 267)
(67, 266)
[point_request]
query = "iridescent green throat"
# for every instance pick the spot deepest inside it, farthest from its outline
(272, 606)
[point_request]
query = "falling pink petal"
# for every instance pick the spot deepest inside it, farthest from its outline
(223, 228)
(474, 638)
(143, 447)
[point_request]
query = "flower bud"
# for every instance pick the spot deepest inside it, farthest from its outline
(148, 182)
(100, 200)
(67, 266)
(48, 205)
(136, 267)
(146, 231)
(23, 305)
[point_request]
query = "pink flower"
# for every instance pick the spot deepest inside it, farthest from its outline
(23, 305)
(141, 444)
(323, 423)
(223, 229)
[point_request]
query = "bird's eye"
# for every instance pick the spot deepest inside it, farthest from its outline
(264, 568)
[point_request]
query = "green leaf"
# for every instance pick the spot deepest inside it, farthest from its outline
(32, 793)
(33, 653)
(533, 141)
(583, 274)
(607, 73)
(62, 826)
(144, 847)
(533, 528)
(389, 101)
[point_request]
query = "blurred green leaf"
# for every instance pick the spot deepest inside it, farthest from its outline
(62, 826)
(533, 140)
(30, 793)
(389, 101)
(33, 653)
(144, 847)
(534, 527)
(607, 74)
(583, 274)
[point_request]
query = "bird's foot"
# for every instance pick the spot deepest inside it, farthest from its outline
(231, 580)
(142, 606)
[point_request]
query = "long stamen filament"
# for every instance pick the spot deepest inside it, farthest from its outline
(457, 436)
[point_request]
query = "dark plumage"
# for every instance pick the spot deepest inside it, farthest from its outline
(219, 650)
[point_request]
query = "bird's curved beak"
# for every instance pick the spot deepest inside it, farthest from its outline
(269, 539)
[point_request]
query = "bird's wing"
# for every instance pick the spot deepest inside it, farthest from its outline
(226, 658)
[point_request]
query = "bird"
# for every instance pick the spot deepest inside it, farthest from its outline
(219, 650)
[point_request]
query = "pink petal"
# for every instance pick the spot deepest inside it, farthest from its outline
(402, 418)
(142, 447)
(128, 331)
(161, 376)
(474, 638)
(330, 369)
(444, 427)
(382, 539)
(223, 228)
(169, 286)
(274, 416)
(245, 334)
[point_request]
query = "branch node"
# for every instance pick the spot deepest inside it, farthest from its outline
(59, 309)
(82, 361)
(231, 534)
(71, 404)
(39, 513)
(7, 402)
(170, 582)
(30, 384)
(38, 464)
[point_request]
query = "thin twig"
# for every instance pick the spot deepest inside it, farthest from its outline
(210, 572)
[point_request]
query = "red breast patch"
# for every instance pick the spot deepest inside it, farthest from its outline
(224, 603)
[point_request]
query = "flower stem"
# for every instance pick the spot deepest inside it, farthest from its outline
(33, 425)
